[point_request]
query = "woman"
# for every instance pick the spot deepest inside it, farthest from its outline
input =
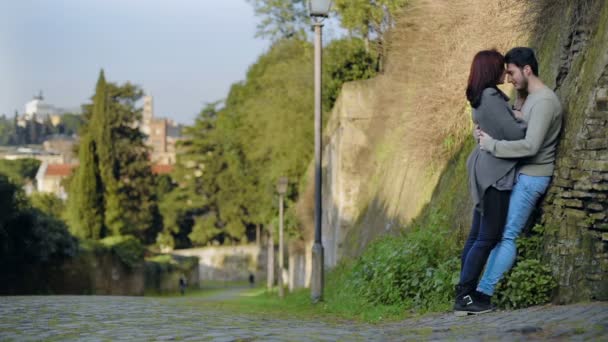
(490, 179)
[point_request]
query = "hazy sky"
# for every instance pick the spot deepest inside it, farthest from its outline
(182, 52)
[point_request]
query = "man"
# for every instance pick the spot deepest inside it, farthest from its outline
(543, 113)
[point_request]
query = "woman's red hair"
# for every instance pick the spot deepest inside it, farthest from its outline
(486, 70)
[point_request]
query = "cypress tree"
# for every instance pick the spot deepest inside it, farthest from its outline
(85, 205)
(101, 131)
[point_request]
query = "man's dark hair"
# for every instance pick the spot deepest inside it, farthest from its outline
(522, 56)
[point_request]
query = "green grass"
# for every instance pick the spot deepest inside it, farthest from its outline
(215, 284)
(339, 303)
(190, 293)
(298, 305)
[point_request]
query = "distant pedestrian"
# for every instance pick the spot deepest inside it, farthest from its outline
(182, 285)
(251, 279)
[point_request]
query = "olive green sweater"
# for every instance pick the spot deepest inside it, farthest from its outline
(542, 111)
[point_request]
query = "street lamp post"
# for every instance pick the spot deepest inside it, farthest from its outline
(281, 189)
(318, 9)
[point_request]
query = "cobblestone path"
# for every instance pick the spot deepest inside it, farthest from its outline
(101, 318)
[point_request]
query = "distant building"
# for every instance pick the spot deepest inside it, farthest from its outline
(49, 178)
(162, 134)
(162, 169)
(38, 108)
(62, 145)
(27, 152)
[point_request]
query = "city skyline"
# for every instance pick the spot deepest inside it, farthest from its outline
(59, 47)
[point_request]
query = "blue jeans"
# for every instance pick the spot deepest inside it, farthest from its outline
(524, 196)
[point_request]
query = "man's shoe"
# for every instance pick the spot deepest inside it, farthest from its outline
(484, 299)
(471, 305)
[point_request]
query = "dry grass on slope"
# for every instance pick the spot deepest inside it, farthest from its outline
(429, 59)
(421, 114)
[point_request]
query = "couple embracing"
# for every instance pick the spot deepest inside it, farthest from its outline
(509, 170)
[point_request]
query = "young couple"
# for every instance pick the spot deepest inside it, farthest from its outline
(509, 170)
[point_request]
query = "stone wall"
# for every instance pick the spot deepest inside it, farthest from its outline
(228, 263)
(576, 206)
(163, 277)
(100, 273)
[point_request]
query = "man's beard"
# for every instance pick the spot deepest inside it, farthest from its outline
(523, 86)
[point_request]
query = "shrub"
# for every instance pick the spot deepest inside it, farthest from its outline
(168, 263)
(29, 236)
(417, 270)
(529, 282)
(128, 249)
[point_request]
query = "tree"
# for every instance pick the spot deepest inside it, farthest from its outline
(345, 60)
(27, 235)
(6, 130)
(233, 155)
(369, 19)
(102, 120)
(48, 203)
(34, 129)
(21, 170)
(281, 18)
(85, 202)
(198, 162)
(70, 123)
(120, 163)
(136, 185)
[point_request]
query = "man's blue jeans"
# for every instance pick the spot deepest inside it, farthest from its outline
(524, 197)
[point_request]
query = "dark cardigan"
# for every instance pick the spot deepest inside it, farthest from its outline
(495, 118)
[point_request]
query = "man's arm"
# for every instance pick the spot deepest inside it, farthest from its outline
(540, 120)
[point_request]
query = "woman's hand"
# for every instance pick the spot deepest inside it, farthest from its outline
(476, 132)
(483, 139)
(518, 114)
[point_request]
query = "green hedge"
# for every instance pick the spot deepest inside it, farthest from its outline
(129, 249)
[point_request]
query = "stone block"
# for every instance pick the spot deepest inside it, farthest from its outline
(576, 173)
(567, 161)
(595, 207)
(583, 185)
(594, 165)
(598, 115)
(596, 177)
(598, 216)
(596, 144)
(596, 131)
(563, 172)
(583, 194)
(573, 203)
(564, 183)
(595, 122)
(583, 175)
(600, 187)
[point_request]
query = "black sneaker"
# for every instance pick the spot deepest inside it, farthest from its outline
(472, 305)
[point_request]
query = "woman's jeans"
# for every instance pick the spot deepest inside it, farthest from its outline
(486, 232)
(526, 193)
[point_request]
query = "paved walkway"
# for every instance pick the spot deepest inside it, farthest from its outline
(100, 318)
